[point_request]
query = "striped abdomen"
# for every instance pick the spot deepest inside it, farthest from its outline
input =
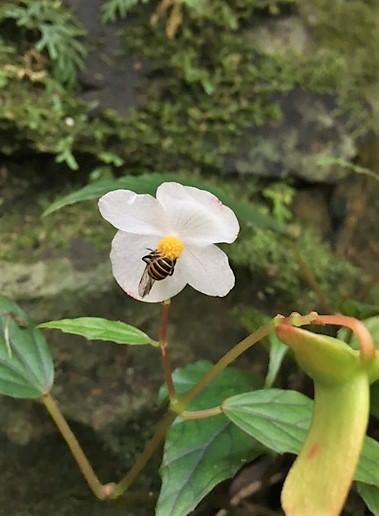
(159, 267)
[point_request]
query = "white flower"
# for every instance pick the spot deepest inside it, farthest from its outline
(181, 224)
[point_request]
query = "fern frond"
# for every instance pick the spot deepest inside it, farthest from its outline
(115, 9)
(60, 34)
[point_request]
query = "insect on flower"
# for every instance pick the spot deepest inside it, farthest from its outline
(179, 229)
(158, 268)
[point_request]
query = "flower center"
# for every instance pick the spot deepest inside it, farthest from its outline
(170, 247)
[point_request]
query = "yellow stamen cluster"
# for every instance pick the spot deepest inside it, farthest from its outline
(170, 247)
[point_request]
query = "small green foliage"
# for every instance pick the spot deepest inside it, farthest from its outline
(274, 263)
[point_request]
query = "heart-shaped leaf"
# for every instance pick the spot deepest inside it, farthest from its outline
(275, 417)
(26, 366)
(200, 454)
(96, 328)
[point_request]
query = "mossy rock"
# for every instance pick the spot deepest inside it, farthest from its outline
(261, 102)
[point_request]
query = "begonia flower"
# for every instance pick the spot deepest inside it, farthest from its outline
(171, 237)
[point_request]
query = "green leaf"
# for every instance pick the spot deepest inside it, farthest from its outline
(277, 353)
(148, 184)
(200, 454)
(280, 420)
(370, 495)
(26, 366)
(276, 418)
(96, 328)
(328, 161)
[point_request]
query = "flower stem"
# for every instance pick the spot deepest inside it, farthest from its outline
(163, 345)
(75, 448)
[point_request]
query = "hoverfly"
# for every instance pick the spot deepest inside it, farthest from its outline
(158, 267)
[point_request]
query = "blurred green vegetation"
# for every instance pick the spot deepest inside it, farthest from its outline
(218, 93)
(203, 89)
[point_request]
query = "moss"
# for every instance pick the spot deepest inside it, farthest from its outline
(27, 237)
(201, 102)
(277, 275)
(346, 39)
(204, 89)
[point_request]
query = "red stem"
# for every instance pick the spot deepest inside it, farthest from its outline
(163, 344)
(365, 340)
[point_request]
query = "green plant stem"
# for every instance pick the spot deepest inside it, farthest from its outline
(163, 346)
(201, 414)
(75, 448)
(224, 361)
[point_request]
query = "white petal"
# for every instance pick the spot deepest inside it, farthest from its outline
(207, 270)
(197, 216)
(127, 266)
(134, 213)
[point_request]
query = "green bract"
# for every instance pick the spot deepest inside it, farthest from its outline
(320, 478)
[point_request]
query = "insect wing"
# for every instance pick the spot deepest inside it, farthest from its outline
(146, 283)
